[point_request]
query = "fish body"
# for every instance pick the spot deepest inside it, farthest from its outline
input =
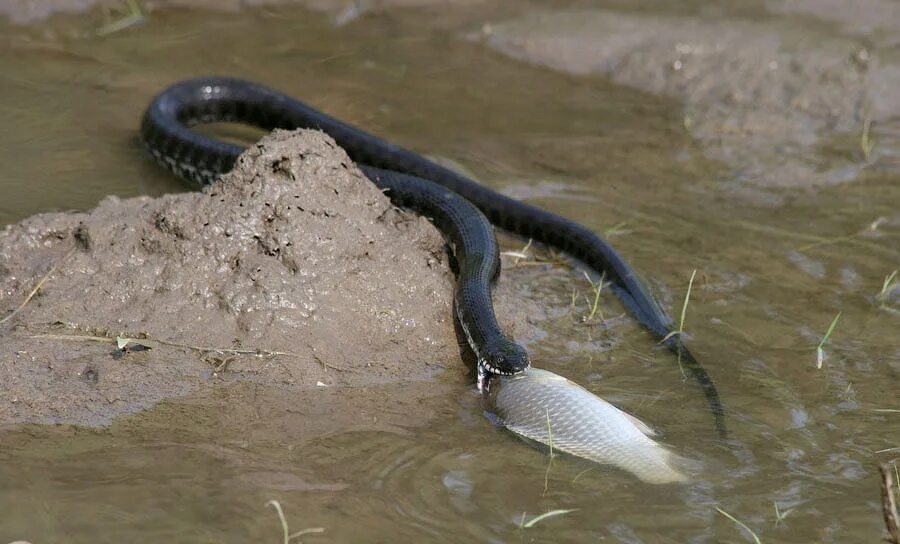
(545, 407)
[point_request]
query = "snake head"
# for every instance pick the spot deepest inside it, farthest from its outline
(505, 358)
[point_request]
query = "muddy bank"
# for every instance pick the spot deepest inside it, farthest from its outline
(763, 97)
(877, 19)
(294, 252)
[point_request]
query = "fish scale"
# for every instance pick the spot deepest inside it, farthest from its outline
(582, 424)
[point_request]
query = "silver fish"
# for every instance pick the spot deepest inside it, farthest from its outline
(548, 408)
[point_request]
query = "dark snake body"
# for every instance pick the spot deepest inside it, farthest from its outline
(412, 181)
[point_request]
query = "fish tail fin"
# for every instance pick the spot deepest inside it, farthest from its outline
(666, 467)
(686, 467)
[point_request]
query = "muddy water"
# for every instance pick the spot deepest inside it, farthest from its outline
(367, 467)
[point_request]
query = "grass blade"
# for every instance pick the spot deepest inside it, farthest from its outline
(552, 513)
(741, 524)
(820, 351)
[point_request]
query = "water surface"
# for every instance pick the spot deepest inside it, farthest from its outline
(769, 281)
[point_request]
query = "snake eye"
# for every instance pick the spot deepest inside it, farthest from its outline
(507, 358)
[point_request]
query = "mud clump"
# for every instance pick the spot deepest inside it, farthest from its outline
(294, 252)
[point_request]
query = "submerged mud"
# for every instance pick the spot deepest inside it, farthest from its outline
(759, 95)
(343, 11)
(294, 254)
(793, 97)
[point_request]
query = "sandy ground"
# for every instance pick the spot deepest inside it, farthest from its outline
(294, 251)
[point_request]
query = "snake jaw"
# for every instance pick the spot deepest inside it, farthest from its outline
(483, 376)
(513, 358)
(485, 371)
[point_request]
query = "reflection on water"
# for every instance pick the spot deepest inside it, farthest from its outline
(376, 466)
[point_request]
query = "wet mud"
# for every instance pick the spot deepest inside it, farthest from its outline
(762, 96)
(294, 255)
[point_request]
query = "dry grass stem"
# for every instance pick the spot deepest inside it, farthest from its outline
(866, 143)
(873, 226)
(815, 240)
(130, 14)
(891, 281)
(152, 342)
(287, 536)
(537, 519)
(597, 288)
(550, 459)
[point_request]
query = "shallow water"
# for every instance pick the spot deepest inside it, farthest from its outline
(367, 468)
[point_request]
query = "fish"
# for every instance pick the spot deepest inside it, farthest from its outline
(544, 407)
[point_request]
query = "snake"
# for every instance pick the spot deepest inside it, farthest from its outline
(463, 210)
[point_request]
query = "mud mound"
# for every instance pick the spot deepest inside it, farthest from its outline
(294, 253)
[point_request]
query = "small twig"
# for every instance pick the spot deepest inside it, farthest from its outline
(37, 286)
(889, 502)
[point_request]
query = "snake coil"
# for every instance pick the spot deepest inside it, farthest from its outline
(449, 199)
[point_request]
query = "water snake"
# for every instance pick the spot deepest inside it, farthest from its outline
(413, 181)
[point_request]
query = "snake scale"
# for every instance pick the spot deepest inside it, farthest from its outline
(460, 208)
